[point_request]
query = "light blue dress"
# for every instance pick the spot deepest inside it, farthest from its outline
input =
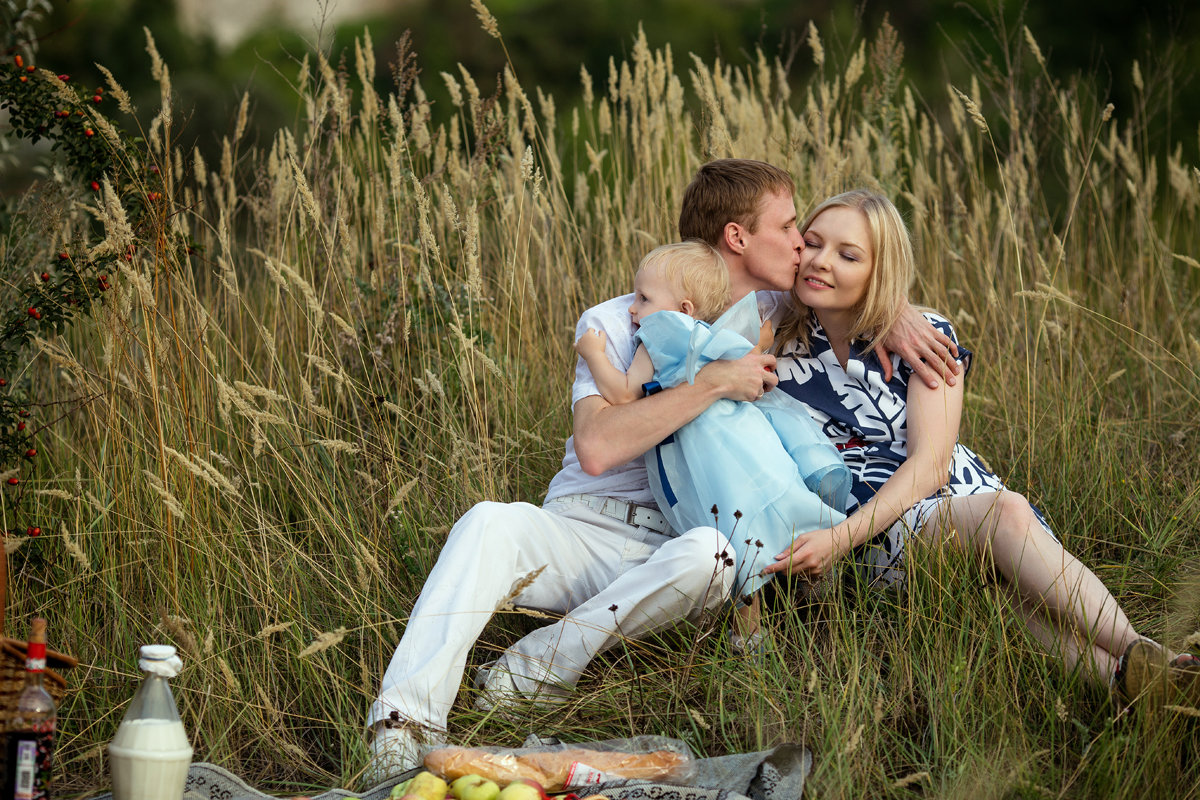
(755, 471)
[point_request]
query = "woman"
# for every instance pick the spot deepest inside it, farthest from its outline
(899, 439)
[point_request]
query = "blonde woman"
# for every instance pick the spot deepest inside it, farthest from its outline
(899, 438)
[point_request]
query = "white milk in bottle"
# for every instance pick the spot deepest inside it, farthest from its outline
(150, 755)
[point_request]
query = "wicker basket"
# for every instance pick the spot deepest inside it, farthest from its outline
(12, 662)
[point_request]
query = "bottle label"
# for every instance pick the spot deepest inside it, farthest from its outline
(29, 763)
(35, 657)
(26, 770)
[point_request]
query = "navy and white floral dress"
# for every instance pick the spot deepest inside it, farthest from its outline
(866, 417)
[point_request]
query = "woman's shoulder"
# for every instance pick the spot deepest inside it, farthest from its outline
(937, 320)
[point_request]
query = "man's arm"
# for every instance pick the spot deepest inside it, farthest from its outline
(923, 347)
(608, 435)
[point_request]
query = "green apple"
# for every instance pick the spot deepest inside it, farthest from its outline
(474, 787)
(428, 786)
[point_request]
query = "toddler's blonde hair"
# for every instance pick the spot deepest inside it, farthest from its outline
(698, 271)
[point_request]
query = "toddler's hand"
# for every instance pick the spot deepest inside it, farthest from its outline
(591, 343)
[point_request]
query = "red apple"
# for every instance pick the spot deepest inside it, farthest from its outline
(523, 789)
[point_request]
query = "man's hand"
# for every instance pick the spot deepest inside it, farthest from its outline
(811, 554)
(929, 352)
(747, 378)
(591, 344)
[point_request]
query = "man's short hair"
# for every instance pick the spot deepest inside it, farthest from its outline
(728, 190)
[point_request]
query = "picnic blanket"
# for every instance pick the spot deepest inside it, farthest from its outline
(776, 774)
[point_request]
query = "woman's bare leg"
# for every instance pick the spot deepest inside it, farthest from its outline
(1097, 664)
(1002, 528)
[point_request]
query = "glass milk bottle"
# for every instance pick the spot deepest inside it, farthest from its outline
(150, 755)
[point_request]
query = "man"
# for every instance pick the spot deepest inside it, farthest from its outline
(597, 550)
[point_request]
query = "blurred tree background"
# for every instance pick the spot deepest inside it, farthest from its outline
(1091, 44)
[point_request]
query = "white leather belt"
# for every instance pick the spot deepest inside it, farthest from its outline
(629, 513)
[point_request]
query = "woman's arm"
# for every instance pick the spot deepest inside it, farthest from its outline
(933, 420)
(615, 386)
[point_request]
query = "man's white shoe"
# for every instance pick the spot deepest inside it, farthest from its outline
(397, 749)
(498, 692)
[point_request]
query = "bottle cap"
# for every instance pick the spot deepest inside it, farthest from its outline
(160, 659)
(157, 652)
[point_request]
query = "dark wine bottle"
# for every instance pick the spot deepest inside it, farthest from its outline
(29, 751)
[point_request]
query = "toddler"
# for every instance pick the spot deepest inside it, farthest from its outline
(759, 472)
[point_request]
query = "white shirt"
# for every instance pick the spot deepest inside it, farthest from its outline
(626, 481)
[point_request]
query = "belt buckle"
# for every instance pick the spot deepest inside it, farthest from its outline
(631, 510)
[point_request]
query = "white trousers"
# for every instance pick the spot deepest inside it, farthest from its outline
(609, 579)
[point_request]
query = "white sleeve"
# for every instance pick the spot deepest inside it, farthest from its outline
(612, 318)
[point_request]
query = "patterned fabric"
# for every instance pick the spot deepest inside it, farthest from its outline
(866, 418)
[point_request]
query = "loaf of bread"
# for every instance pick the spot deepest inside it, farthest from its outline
(553, 769)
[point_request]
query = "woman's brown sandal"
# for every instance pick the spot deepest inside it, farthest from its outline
(1143, 673)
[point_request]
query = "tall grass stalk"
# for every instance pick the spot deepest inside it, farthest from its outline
(374, 332)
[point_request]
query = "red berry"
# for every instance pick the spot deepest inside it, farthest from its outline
(33, 530)
(88, 132)
(24, 79)
(63, 256)
(95, 186)
(64, 78)
(30, 453)
(3, 382)
(99, 90)
(20, 62)
(30, 68)
(96, 99)
(13, 481)
(45, 276)
(153, 197)
(33, 312)
(24, 412)
(20, 426)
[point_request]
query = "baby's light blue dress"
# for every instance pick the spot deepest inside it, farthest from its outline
(767, 460)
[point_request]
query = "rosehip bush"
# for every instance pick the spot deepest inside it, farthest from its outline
(102, 166)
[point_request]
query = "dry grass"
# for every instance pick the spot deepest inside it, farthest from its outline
(375, 333)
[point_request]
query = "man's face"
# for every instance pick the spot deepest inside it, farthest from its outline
(772, 251)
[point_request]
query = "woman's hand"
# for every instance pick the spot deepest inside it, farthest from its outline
(811, 554)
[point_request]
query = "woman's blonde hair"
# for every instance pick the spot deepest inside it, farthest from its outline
(892, 271)
(698, 271)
